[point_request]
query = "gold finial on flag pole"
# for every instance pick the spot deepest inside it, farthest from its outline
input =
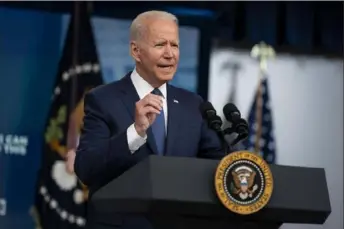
(262, 52)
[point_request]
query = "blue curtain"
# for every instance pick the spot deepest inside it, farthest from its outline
(303, 26)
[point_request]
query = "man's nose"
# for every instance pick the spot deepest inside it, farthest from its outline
(168, 51)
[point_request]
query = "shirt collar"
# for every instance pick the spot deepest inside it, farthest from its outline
(142, 87)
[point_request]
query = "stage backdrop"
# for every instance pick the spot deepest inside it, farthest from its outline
(306, 101)
(30, 44)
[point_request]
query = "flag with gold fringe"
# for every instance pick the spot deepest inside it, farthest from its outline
(61, 199)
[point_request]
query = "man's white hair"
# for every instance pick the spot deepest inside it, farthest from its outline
(138, 26)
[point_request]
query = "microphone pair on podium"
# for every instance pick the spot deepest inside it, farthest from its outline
(238, 125)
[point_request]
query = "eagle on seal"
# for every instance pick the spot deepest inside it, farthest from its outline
(243, 178)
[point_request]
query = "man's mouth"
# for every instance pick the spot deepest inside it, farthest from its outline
(167, 67)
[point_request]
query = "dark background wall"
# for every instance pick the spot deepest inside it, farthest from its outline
(295, 27)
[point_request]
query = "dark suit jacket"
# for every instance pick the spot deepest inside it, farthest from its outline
(103, 152)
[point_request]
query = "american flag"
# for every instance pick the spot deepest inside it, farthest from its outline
(261, 138)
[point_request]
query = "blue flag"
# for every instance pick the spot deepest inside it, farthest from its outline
(61, 199)
(261, 139)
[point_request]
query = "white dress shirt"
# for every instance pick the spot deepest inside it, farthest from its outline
(143, 88)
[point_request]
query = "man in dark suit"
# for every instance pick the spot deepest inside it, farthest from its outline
(141, 114)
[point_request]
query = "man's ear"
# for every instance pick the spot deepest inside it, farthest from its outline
(135, 51)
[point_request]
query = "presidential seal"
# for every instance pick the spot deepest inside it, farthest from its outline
(243, 182)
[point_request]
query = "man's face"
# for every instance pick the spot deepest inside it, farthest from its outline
(159, 50)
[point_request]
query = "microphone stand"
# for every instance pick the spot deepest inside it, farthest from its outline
(215, 123)
(242, 134)
(225, 143)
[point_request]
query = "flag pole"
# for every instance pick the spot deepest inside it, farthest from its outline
(75, 49)
(72, 128)
(262, 52)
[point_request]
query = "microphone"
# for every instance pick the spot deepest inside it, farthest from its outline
(209, 113)
(231, 113)
(214, 122)
(241, 128)
(238, 124)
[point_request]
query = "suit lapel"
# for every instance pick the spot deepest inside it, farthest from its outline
(129, 98)
(174, 117)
